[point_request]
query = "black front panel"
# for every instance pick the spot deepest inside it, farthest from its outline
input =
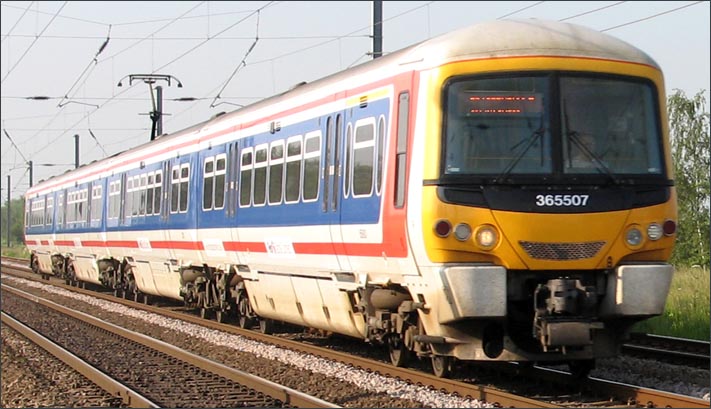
(536, 199)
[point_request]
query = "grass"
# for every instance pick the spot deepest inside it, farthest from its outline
(686, 314)
(16, 250)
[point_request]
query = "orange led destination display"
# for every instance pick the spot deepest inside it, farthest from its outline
(500, 103)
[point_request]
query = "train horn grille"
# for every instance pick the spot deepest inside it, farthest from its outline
(561, 251)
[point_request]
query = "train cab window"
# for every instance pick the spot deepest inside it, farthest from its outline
(380, 155)
(260, 175)
(363, 157)
(50, 211)
(96, 203)
(293, 169)
(276, 172)
(312, 166)
(620, 136)
(246, 170)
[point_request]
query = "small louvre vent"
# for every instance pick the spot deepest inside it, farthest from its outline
(562, 251)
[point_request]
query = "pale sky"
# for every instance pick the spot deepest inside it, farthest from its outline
(51, 49)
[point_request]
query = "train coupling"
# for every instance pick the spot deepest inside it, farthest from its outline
(565, 314)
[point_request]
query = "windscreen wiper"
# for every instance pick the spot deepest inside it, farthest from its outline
(600, 165)
(535, 136)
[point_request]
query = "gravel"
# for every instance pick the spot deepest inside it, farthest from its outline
(339, 383)
(331, 381)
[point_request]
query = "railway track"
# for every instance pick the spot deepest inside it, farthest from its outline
(689, 352)
(603, 393)
(166, 376)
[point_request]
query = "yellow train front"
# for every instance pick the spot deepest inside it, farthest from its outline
(542, 209)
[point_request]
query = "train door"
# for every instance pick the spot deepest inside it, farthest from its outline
(232, 199)
(333, 176)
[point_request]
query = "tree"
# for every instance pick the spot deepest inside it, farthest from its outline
(17, 221)
(689, 133)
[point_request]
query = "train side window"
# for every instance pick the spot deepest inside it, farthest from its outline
(337, 161)
(260, 175)
(403, 120)
(83, 206)
(293, 169)
(144, 187)
(184, 186)
(96, 203)
(349, 160)
(380, 142)
(136, 196)
(363, 157)
(220, 176)
(50, 211)
(157, 192)
(276, 172)
(114, 198)
(149, 194)
(60, 211)
(245, 176)
(327, 165)
(312, 166)
(174, 189)
(208, 183)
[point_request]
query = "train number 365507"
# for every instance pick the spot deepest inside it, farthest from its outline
(561, 200)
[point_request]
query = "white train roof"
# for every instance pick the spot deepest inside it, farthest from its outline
(496, 39)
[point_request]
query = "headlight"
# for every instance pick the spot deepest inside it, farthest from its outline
(486, 237)
(654, 231)
(633, 237)
(462, 232)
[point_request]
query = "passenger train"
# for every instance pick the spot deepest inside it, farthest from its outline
(503, 192)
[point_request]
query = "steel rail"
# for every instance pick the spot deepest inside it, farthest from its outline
(282, 393)
(128, 396)
(622, 392)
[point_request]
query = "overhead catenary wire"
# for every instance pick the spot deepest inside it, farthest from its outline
(652, 16)
(17, 22)
(242, 63)
(32, 43)
(91, 65)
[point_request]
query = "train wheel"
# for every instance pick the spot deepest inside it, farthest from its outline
(244, 311)
(266, 326)
(35, 265)
(220, 316)
(204, 313)
(399, 354)
(581, 369)
(136, 295)
(442, 365)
